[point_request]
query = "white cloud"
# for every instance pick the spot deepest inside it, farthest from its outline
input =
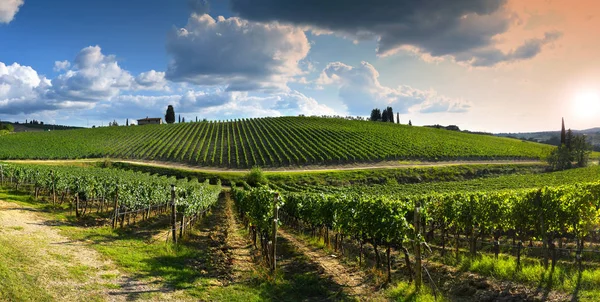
(8, 10)
(93, 78)
(361, 91)
(61, 65)
(236, 53)
(154, 80)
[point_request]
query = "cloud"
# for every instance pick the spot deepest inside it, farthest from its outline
(236, 53)
(492, 56)
(20, 87)
(361, 91)
(8, 10)
(437, 28)
(151, 80)
(93, 78)
(61, 65)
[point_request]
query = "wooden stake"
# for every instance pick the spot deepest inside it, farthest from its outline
(275, 220)
(173, 214)
(418, 277)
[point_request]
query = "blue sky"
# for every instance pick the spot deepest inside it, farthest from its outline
(489, 65)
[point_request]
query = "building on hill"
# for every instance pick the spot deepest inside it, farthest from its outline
(150, 121)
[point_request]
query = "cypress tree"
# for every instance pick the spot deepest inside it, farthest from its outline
(170, 116)
(397, 117)
(562, 133)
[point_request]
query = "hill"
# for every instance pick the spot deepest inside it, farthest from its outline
(553, 137)
(22, 127)
(281, 141)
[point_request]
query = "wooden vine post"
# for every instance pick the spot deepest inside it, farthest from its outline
(114, 222)
(173, 214)
(418, 272)
(275, 221)
(2, 174)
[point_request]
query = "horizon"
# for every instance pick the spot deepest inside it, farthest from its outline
(493, 66)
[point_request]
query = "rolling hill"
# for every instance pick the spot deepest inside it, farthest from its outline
(281, 141)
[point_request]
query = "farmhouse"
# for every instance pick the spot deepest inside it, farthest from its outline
(149, 121)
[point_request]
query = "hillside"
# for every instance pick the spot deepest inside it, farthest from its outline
(553, 137)
(279, 141)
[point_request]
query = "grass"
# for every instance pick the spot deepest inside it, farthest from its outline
(585, 285)
(183, 272)
(17, 283)
(404, 291)
(344, 177)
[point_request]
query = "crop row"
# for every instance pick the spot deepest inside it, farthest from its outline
(282, 141)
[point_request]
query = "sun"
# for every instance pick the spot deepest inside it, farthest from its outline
(587, 104)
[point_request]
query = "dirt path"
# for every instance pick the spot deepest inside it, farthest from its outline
(316, 168)
(352, 280)
(66, 270)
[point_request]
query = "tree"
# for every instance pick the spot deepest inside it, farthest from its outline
(397, 117)
(127, 123)
(569, 140)
(388, 115)
(384, 116)
(564, 155)
(375, 115)
(170, 116)
(179, 120)
(409, 123)
(580, 150)
(183, 120)
(562, 132)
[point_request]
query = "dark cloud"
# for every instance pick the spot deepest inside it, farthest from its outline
(236, 53)
(436, 27)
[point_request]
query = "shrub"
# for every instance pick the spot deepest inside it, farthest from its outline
(256, 177)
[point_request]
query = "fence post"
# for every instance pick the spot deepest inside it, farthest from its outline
(418, 276)
(114, 222)
(173, 214)
(275, 221)
(2, 174)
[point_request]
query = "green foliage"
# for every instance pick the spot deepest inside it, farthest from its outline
(170, 115)
(256, 177)
(7, 127)
(272, 142)
(575, 150)
(135, 190)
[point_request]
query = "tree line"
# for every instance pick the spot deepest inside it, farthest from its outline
(387, 115)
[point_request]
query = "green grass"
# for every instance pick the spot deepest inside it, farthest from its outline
(184, 271)
(404, 291)
(17, 283)
(344, 177)
(565, 277)
(267, 142)
(520, 179)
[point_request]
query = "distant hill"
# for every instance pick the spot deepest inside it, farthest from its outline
(553, 137)
(281, 141)
(22, 127)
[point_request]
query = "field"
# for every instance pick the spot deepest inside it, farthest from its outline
(480, 216)
(267, 142)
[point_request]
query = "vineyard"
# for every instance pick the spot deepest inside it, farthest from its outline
(391, 186)
(559, 220)
(124, 196)
(267, 142)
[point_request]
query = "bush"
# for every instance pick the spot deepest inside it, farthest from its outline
(7, 127)
(256, 177)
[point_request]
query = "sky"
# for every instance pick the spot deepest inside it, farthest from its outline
(484, 65)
